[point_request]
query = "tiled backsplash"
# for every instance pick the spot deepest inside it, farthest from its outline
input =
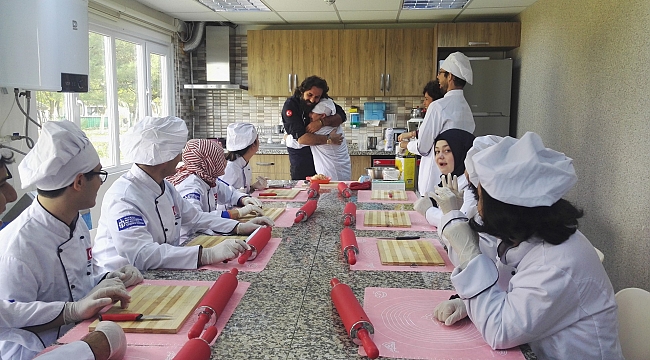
(215, 109)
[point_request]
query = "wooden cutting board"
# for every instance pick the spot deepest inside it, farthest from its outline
(387, 218)
(272, 213)
(408, 252)
(388, 195)
(211, 240)
(281, 193)
(177, 301)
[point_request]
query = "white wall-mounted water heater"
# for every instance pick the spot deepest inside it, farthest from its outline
(44, 45)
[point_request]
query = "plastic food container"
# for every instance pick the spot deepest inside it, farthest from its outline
(390, 173)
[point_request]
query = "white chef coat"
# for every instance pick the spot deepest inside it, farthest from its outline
(205, 198)
(42, 259)
(77, 350)
(238, 174)
(141, 225)
(449, 112)
(557, 298)
(434, 214)
(329, 159)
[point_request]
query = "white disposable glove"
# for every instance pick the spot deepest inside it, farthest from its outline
(116, 338)
(129, 275)
(422, 205)
(225, 250)
(260, 184)
(243, 211)
(93, 302)
(249, 200)
(247, 228)
(463, 240)
(448, 197)
(450, 311)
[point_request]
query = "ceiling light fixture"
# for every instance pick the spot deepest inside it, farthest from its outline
(235, 5)
(434, 4)
(330, 2)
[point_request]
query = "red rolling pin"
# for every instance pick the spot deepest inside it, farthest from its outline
(214, 302)
(349, 214)
(349, 245)
(355, 320)
(306, 211)
(344, 190)
(257, 241)
(198, 348)
(313, 191)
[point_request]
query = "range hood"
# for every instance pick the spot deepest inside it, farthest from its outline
(217, 48)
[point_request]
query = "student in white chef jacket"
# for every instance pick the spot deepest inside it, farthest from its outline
(142, 213)
(545, 286)
(450, 112)
(450, 149)
(330, 159)
(197, 182)
(45, 253)
(242, 144)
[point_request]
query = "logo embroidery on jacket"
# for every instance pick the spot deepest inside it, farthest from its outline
(130, 221)
(89, 253)
(289, 113)
(195, 196)
(177, 214)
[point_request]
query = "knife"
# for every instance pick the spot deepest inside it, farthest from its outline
(399, 238)
(132, 317)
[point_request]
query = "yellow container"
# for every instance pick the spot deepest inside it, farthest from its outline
(406, 165)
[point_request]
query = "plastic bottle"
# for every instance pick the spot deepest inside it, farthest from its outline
(388, 146)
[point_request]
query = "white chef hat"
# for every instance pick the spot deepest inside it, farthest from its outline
(61, 153)
(155, 140)
(325, 106)
(240, 136)
(524, 172)
(458, 64)
(480, 143)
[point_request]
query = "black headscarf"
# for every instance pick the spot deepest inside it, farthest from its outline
(460, 141)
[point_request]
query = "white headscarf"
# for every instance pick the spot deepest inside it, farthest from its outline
(154, 140)
(240, 136)
(61, 153)
(458, 64)
(524, 172)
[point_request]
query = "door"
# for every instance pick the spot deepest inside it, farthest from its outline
(316, 52)
(363, 61)
(270, 57)
(490, 92)
(410, 60)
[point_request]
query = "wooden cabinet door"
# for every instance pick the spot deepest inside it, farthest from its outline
(270, 58)
(316, 52)
(363, 61)
(359, 165)
(479, 35)
(410, 60)
(447, 35)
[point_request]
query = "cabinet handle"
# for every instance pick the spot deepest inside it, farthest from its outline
(264, 164)
(381, 82)
(387, 82)
(295, 81)
(477, 43)
(289, 83)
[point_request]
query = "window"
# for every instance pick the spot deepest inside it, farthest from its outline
(129, 78)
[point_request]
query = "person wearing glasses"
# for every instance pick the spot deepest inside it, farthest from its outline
(45, 253)
(450, 112)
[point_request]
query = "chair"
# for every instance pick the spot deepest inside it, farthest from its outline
(601, 256)
(634, 323)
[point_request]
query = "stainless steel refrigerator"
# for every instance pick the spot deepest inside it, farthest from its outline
(489, 96)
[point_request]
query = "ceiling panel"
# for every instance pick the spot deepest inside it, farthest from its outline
(198, 16)
(489, 14)
(181, 6)
(295, 17)
(428, 15)
(365, 5)
(299, 5)
(252, 17)
(368, 16)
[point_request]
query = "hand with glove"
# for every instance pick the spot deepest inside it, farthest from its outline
(225, 250)
(422, 205)
(247, 228)
(463, 240)
(107, 341)
(249, 200)
(243, 211)
(260, 184)
(448, 196)
(96, 300)
(129, 275)
(450, 311)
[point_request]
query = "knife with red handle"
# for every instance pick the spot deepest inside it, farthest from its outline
(267, 194)
(132, 317)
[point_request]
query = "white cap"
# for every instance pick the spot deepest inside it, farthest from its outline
(240, 136)
(61, 153)
(480, 143)
(154, 141)
(458, 64)
(523, 172)
(325, 106)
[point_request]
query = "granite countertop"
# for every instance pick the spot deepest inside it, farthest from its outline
(287, 312)
(277, 149)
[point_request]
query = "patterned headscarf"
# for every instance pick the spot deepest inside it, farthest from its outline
(203, 158)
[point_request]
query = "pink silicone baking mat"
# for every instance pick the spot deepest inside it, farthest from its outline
(405, 328)
(364, 196)
(256, 265)
(286, 218)
(177, 339)
(140, 352)
(368, 258)
(418, 223)
(301, 197)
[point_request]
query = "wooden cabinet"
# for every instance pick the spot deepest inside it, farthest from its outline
(279, 60)
(274, 167)
(359, 165)
(479, 35)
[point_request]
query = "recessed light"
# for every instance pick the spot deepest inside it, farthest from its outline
(434, 4)
(235, 5)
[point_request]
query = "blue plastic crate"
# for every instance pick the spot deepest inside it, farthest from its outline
(374, 111)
